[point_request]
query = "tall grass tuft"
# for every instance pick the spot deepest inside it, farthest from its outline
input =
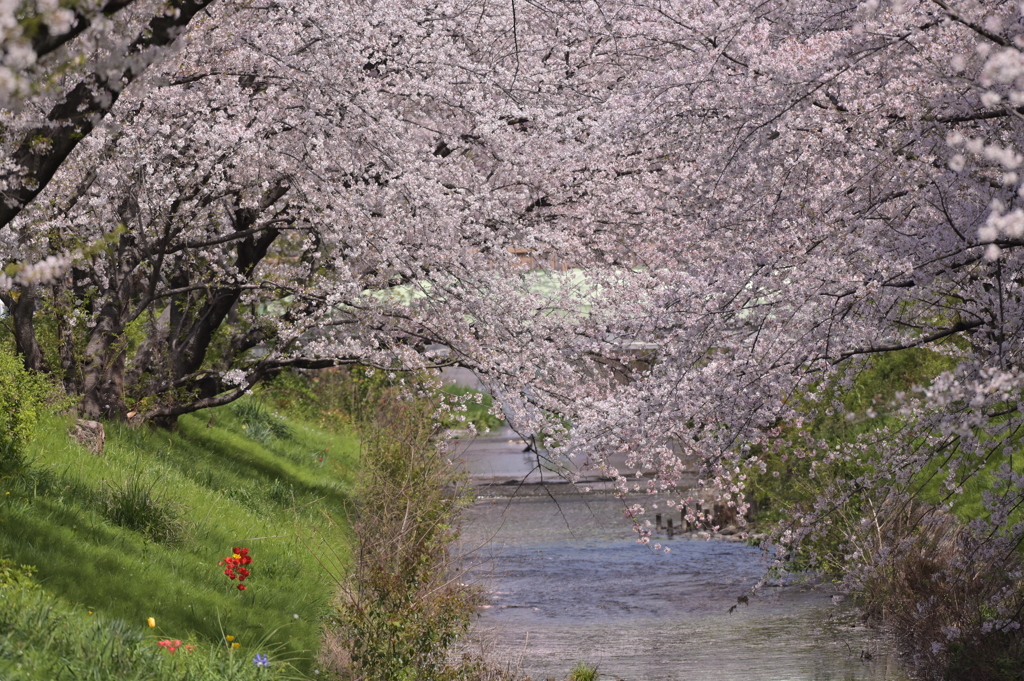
(134, 505)
(260, 423)
(583, 672)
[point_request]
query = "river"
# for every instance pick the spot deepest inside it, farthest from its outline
(567, 582)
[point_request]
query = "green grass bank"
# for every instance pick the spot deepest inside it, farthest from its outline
(138, 532)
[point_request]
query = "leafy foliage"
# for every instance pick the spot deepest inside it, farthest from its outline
(835, 414)
(21, 396)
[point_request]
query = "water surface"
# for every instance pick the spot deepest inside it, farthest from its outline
(568, 582)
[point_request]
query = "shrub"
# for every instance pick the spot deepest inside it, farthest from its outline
(950, 594)
(22, 393)
(342, 396)
(401, 608)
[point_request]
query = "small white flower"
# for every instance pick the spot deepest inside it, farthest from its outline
(234, 377)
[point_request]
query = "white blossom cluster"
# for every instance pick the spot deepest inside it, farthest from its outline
(16, 53)
(40, 273)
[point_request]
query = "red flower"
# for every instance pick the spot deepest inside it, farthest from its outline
(239, 557)
(171, 646)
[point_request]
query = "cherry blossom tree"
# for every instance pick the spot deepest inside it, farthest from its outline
(754, 246)
(277, 170)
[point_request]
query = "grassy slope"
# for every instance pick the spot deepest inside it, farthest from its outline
(285, 500)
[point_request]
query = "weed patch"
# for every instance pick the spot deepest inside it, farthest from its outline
(260, 423)
(583, 672)
(401, 606)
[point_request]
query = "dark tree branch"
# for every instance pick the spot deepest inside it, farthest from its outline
(917, 342)
(191, 350)
(981, 115)
(44, 42)
(977, 28)
(44, 148)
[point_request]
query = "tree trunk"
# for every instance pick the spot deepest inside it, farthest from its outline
(150, 358)
(63, 299)
(23, 308)
(103, 384)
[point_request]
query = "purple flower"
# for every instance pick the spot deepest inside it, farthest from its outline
(261, 661)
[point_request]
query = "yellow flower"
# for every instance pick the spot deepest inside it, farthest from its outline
(230, 638)
(151, 622)
(236, 644)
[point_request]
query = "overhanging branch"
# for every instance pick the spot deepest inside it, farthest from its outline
(917, 342)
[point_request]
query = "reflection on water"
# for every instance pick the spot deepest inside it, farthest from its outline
(568, 582)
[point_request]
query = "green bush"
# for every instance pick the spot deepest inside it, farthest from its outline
(400, 608)
(350, 396)
(21, 395)
(799, 473)
(332, 397)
